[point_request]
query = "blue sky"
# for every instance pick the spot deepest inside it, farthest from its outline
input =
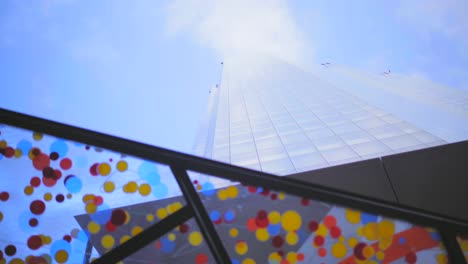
(143, 69)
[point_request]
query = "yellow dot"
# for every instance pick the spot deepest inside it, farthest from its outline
(292, 238)
(136, 230)
(248, 261)
(144, 189)
(222, 194)
(233, 232)
(18, 153)
(107, 241)
(91, 208)
(352, 242)
(195, 238)
(385, 243)
(342, 239)
(442, 259)
(386, 229)
(127, 217)
(1, 216)
(172, 208)
(149, 217)
(338, 250)
(104, 169)
(232, 191)
(359, 231)
(161, 213)
(109, 186)
(353, 216)
(15, 261)
(69, 196)
(122, 165)
(47, 197)
(464, 244)
(241, 248)
(274, 217)
(370, 231)
(37, 136)
(368, 252)
(281, 196)
(322, 230)
(93, 227)
(291, 221)
(3, 144)
(291, 257)
(171, 237)
(275, 257)
(88, 198)
(124, 239)
(61, 256)
(28, 190)
(262, 234)
(380, 255)
(130, 187)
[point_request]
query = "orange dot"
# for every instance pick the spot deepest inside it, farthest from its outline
(251, 225)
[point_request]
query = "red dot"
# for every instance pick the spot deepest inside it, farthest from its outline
(48, 172)
(319, 240)
(300, 256)
(59, 198)
(118, 217)
(93, 169)
(98, 200)
(262, 223)
(274, 196)
(184, 228)
(9, 152)
(49, 182)
(110, 227)
(285, 261)
(67, 238)
(10, 250)
(262, 214)
(54, 156)
(65, 164)
(313, 226)
(34, 242)
(335, 232)
(33, 222)
(41, 161)
(358, 250)
(37, 207)
(277, 241)
(411, 258)
(329, 221)
(195, 182)
(4, 196)
(35, 181)
(201, 259)
(265, 192)
(322, 252)
(35, 151)
(252, 189)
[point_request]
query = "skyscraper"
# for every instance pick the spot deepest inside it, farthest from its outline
(275, 117)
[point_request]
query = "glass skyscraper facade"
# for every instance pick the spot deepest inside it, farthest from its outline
(277, 118)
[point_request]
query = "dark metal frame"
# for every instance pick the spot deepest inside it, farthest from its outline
(180, 163)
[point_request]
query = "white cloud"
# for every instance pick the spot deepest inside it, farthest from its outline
(447, 17)
(240, 27)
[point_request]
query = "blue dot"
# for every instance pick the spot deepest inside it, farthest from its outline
(402, 240)
(208, 188)
(235, 261)
(229, 216)
(259, 189)
(60, 245)
(435, 236)
(102, 215)
(24, 146)
(274, 229)
(214, 215)
(73, 184)
(160, 190)
(59, 146)
(149, 172)
(167, 246)
(367, 218)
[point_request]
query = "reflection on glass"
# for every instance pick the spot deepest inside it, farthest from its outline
(258, 225)
(56, 195)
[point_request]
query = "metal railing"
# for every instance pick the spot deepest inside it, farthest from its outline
(180, 163)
